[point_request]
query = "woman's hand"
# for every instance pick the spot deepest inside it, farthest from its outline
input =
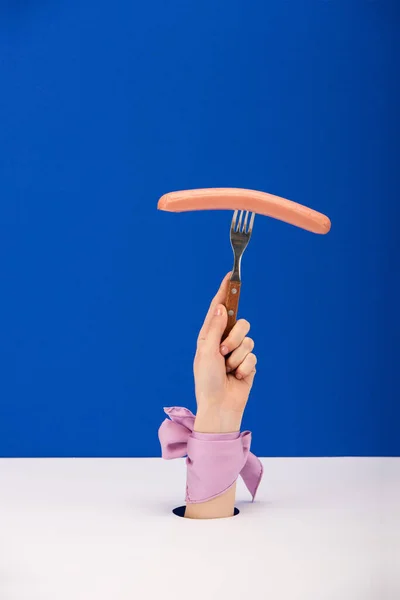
(222, 388)
(222, 384)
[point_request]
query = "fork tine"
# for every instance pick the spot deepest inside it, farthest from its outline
(245, 222)
(239, 227)
(233, 224)
(253, 215)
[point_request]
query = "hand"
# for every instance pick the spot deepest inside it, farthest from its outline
(222, 385)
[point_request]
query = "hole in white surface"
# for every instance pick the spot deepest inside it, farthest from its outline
(180, 511)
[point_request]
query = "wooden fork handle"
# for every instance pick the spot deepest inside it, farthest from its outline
(232, 305)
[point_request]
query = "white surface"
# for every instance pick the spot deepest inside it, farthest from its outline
(102, 528)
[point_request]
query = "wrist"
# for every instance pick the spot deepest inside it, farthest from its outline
(217, 421)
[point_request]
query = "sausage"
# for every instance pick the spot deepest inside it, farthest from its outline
(251, 200)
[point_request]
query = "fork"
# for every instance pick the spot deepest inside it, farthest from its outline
(240, 237)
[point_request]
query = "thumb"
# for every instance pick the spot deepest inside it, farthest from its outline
(217, 326)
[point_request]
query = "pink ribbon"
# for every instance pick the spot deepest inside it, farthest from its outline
(214, 460)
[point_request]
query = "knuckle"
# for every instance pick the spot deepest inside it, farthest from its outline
(249, 343)
(245, 324)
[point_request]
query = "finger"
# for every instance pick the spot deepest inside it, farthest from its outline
(215, 330)
(238, 355)
(236, 336)
(219, 298)
(249, 380)
(247, 369)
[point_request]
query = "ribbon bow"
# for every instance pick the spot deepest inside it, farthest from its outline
(214, 461)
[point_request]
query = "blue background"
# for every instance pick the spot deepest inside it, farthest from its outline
(106, 106)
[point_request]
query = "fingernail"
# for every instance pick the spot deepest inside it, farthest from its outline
(218, 312)
(224, 350)
(238, 376)
(228, 369)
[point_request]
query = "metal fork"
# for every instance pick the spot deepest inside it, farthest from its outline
(241, 231)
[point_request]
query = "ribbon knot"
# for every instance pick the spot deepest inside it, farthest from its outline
(214, 460)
